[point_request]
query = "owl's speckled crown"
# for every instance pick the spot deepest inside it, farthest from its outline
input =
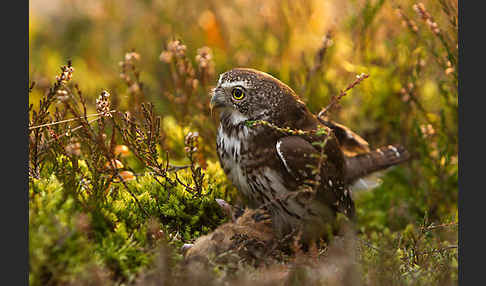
(250, 77)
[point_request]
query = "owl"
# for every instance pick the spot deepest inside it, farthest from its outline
(296, 166)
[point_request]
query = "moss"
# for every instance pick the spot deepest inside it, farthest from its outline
(114, 233)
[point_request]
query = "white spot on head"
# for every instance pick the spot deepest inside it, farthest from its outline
(242, 83)
(330, 183)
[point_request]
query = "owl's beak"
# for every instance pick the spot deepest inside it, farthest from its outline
(218, 100)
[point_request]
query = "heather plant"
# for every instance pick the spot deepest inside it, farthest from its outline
(122, 164)
(81, 172)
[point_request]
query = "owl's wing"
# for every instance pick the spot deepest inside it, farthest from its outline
(298, 156)
(351, 143)
(300, 159)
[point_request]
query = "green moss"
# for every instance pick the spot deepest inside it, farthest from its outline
(115, 233)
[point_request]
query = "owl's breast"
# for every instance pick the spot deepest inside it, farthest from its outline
(230, 147)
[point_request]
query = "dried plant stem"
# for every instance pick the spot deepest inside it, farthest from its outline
(432, 227)
(65, 134)
(287, 130)
(68, 120)
(335, 99)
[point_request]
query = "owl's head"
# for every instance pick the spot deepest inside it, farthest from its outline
(248, 94)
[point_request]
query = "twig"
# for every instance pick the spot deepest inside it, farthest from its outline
(287, 130)
(67, 120)
(449, 247)
(412, 26)
(438, 226)
(335, 99)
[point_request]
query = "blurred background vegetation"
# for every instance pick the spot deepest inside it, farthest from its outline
(170, 53)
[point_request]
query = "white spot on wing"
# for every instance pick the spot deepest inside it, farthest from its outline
(394, 150)
(280, 154)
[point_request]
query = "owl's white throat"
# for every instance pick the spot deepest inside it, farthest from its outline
(235, 117)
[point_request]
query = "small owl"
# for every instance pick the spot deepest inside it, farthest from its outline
(301, 183)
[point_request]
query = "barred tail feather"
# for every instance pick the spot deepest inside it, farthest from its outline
(362, 165)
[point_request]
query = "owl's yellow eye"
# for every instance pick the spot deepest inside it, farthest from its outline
(238, 93)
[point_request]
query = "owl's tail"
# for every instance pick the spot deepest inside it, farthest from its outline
(362, 165)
